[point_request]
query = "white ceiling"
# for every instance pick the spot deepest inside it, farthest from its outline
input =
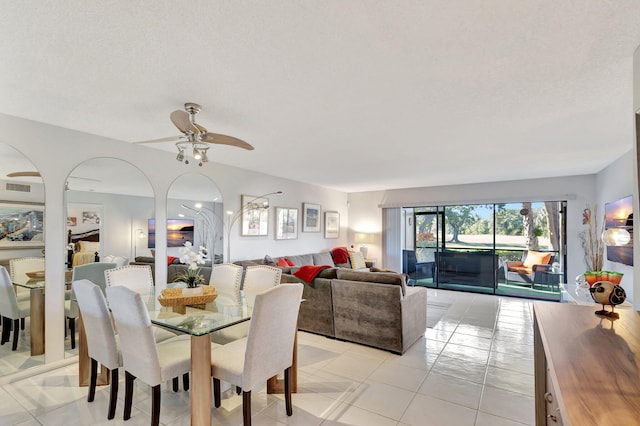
(352, 95)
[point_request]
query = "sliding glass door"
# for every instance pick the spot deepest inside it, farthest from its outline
(469, 247)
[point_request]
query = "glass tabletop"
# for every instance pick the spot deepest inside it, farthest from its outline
(32, 284)
(197, 320)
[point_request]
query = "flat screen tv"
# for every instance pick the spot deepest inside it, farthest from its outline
(178, 232)
(619, 214)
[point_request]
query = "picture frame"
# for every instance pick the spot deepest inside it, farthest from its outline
(310, 217)
(286, 223)
(91, 218)
(72, 221)
(331, 224)
(21, 225)
(255, 216)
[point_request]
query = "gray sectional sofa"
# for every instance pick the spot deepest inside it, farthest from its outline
(371, 308)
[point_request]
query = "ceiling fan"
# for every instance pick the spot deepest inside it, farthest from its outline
(195, 136)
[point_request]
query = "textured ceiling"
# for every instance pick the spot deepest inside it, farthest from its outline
(352, 95)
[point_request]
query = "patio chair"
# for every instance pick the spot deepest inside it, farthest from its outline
(524, 271)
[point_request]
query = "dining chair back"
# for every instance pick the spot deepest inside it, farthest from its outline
(10, 309)
(21, 266)
(135, 277)
(226, 278)
(266, 351)
(141, 357)
(258, 278)
(93, 272)
(101, 338)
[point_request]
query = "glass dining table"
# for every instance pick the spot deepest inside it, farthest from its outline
(199, 323)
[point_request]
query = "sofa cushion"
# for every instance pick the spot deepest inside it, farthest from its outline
(282, 262)
(323, 258)
(268, 260)
(303, 259)
(373, 277)
(144, 259)
(357, 260)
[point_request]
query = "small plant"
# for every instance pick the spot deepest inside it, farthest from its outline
(187, 256)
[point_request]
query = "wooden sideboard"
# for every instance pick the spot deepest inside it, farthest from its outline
(587, 368)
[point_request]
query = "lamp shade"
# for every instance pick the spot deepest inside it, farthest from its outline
(616, 237)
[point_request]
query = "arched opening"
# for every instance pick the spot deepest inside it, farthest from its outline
(109, 203)
(22, 255)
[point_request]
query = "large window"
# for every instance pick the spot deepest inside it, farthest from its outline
(467, 247)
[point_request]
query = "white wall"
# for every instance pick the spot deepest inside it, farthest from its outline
(56, 151)
(614, 182)
(576, 190)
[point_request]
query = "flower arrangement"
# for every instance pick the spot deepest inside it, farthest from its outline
(187, 256)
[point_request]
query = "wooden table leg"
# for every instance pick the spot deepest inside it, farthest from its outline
(84, 364)
(36, 327)
(275, 385)
(201, 380)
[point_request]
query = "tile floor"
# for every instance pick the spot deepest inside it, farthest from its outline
(473, 367)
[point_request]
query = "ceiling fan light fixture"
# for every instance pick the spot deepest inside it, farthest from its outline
(203, 155)
(180, 156)
(196, 153)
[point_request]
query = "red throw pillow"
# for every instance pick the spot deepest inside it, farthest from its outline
(170, 259)
(282, 262)
(289, 263)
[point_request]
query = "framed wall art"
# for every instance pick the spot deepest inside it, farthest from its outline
(255, 216)
(310, 217)
(72, 221)
(286, 223)
(331, 224)
(91, 218)
(21, 225)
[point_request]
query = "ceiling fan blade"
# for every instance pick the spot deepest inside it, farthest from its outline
(202, 129)
(168, 139)
(180, 119)
(24, 174)
(225, 140)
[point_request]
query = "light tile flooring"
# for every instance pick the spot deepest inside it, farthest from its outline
(473, 367)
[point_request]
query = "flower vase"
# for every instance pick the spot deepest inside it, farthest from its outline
(192, 291)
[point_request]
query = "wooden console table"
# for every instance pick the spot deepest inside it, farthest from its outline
(587, 368)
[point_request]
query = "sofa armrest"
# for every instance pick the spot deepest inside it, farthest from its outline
(414, 316)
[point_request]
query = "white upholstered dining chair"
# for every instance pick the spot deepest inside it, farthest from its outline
(11, 310)
(265, 352)
(135, 277)
(142, 358)
(101, 338)
(18, 269)
(226, 278)
(93, 272)
(258, 278)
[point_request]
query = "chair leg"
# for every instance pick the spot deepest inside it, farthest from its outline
(93, 380)
(238, 390)
(287, 391)
(21, 323)
(155, 404)
(113, 395)
(6, 330)
(15, 334)
(72, 330)
(246, 408)
(185, 381)
(128, 394)
(216, 392)
(175, 384)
